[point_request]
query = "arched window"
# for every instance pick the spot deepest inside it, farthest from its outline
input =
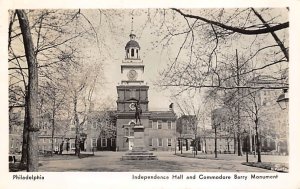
(137, 53)
(132, 52)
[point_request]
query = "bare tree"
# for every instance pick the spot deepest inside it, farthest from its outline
(253, 108)
(32, 156)
(201, 60)
(190, 106)
(53, 32)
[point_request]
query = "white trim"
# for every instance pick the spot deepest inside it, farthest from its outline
(150, 126)
(162, 142)
(168, 125)
(102, 142)
(168, 141)
(92, 142)
(111, 141)
(132, 121)
(161, 124)
(151, 144)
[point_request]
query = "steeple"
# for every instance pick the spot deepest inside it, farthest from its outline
(131, 24)
(132, 47)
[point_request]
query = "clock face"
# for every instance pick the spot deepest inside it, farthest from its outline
(132, 75)
(132, 106)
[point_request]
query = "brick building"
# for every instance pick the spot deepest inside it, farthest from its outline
(16, 125)
(160, 126)
(187, 127)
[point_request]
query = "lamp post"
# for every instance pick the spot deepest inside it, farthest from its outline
(283, 99)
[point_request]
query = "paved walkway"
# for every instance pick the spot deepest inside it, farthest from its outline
(167, 162)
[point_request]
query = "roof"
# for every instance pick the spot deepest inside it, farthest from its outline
(162, 114)
(132, 43)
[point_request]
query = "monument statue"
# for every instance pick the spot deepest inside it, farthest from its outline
(138, 112)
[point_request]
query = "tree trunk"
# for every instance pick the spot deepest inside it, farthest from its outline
(234, 143)
(216, 150)
(23, 162)
(52, 133)
(239, 145)
(258, 142)
(76, 120)
(254, 145)
(181, 146)
(250, 141)
(32, 156)
(238, 106)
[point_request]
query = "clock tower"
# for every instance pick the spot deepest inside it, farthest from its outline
(155, 129)
(132, 87)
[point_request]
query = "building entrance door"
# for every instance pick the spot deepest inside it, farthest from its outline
(130, 143)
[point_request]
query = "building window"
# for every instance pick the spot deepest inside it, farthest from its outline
(169, 142)
(50, 140)
(103, 142)
(12, 143)
(154, 125)
(132, 52)
(160, 142)
(131, 132)
(150, 123)
(44, 140)
(112, 141)
(150, 142)
(159, 124)
(72, 145)
(94, 142)
(126, 131)
(169, 124)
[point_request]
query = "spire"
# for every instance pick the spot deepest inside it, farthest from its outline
(131, 22)
(132, 35)
(131, 25)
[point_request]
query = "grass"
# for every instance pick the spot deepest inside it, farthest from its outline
(15, 167)
(279, 167)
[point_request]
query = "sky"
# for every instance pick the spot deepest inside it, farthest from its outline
(111, 27)
(153, 58)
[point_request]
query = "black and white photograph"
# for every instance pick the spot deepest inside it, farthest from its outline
(153, 92)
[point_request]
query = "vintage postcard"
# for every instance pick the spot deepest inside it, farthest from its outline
(149, 94)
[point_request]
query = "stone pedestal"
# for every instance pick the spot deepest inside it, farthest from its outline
(139, 151)
(139, 138)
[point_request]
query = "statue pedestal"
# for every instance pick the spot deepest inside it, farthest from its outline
(139, 138)
(139, 151)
